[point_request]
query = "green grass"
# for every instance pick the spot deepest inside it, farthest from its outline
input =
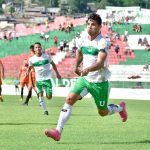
(21, 127)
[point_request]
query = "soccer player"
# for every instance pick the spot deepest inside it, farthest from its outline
(42, 64)
(31, 82)
(23, 76)
(1, 77)
(93, 78)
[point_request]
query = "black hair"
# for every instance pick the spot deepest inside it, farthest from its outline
(38, 43)
(95, 17)
(31, 47)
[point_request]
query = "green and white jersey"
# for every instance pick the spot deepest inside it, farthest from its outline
(42, 66)
(90, 50)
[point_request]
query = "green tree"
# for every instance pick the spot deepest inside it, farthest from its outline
(54, 3)
(77, 6)
(115, 2)
(73, 6)
(46, 3)
(144, 3)
(83, 5)
(103, 4)
(2, 2)
(131, 2)
(1, 11)
(63, 8)
(11, 10)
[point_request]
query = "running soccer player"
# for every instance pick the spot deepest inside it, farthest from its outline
(93, 52)
(32, 81)
(42, 64)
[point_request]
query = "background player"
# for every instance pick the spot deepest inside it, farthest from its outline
(23, 76)
(32, 80)
(42, 64)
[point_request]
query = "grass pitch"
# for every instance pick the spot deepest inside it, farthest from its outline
(22, 127)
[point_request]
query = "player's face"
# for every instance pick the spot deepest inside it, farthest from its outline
(25, 63)
(38, 50)
(93, 28)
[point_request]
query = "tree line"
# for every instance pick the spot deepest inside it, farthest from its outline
(83, 6)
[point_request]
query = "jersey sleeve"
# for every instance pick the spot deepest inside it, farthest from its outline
(79, 42)
(30, 62)
(49, 58)
(103, 45)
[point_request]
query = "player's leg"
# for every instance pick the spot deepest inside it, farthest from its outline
(63, 117)
(22, 93)
(22, 89)
(28, 96)
(48, 89)
(100, 93)
(1, 99)
(76, 93)
(34, 88)
(29, 86)
(39, 87)
(17, 88)
(32, 81)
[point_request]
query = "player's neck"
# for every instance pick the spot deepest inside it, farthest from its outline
(92, 37)
(39, 55)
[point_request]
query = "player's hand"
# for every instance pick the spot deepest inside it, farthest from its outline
(76, 71)
(84, 72)
(58, 76)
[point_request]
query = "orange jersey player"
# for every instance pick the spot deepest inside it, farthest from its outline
(24, 76)
(32, 80)
(32, 71)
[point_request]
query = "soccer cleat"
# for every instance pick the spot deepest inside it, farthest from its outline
(123, 113)
(25, 104)
(45, 112)
(1, 99)
(53, 133)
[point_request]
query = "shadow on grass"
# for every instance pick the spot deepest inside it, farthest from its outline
(26, 123)
(125, 142)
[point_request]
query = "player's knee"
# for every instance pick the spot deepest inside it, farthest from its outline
(40, 94)
(70, 100)
(49, 96)
(103, 113)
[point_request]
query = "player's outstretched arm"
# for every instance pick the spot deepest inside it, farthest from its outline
(56, 71)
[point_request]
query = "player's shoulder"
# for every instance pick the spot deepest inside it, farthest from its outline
(32, 57)
(100, 38)
(102, 44)
(44, 55)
